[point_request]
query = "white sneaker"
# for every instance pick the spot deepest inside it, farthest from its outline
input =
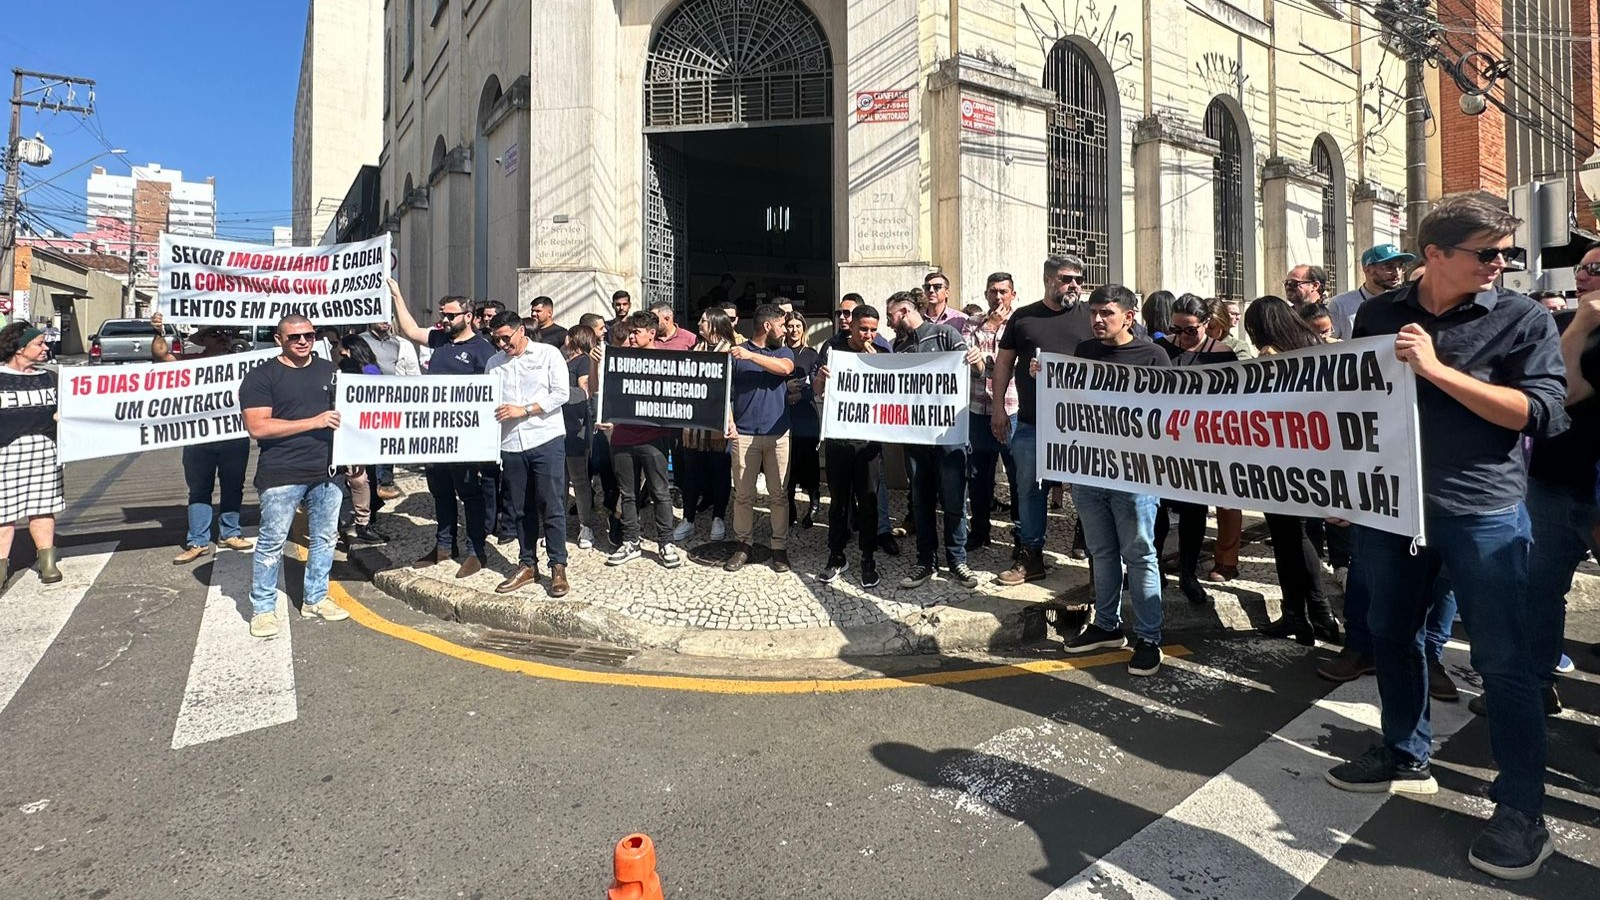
(585, 537)
(719, 529)
(327, 609)
(264, 625)
(628, 552)
(670, 557)
(684, 529)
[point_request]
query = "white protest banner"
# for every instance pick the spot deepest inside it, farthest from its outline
(223, 282)
(899, 398)
(109, 411)
(1327, 431)
(404, 419)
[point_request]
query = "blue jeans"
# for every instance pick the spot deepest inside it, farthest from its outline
(536, 481)
(205, 466)
(1028, 497)
(1487, 555)
(278, 505)
(939, 476)
(1563, 521)
(1119, 528)
(986, 451)
(1358, 602)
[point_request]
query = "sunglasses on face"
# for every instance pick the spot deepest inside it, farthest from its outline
(935, 286)
(1186, 329)
(499, 339)
(447, 316)
(300, 336)
(1592, 269)
(1072, 279)
(1292, 283)
(1513, 256)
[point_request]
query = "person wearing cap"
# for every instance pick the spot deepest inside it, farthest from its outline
(1384, 269)
(208, 467)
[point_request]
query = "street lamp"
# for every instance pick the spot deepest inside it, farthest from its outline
(1589, 180)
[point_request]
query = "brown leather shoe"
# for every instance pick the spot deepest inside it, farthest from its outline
(388, 492)
(1347, 666)
(740, 556)
(523, 575)
(558, 581)
(190, 554)
(1028, 567)
(780, 560)
(469, 567)
(1223, 573)
(433, 558)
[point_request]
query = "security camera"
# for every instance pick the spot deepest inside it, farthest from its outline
(1473, 105)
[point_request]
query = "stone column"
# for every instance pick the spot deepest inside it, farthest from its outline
(1380, 216)
(986, 134)
(1173, 217)
(1291, 198)
(450, 212)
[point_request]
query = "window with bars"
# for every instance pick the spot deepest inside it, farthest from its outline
(1227, 202)
(1079, 161)
(1322, 161)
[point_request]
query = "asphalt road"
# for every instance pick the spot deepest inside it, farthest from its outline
(404, 771)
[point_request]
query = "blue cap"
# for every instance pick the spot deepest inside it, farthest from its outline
(1385, 253)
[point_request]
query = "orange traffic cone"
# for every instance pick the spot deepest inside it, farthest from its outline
(634, 863)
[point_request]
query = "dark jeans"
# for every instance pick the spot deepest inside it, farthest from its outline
(853, 471)
(805, 465)
(600, 465)
(1299, 568)
(447, 482)
(980, 463)
(217, 464)
(536, 481)
(939, 477)
(383, 474)
(650, 461)
(1332, 540)
(704, 473)
(1191, 533)
(1358, 602)
(1487, 556)
(1563, 520)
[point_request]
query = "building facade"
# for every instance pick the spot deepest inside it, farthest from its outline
(158, 196)
(569, 148)
(336, 109)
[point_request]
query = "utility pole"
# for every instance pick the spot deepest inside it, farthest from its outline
(1412, 31)
(129, 304)
(13, 155)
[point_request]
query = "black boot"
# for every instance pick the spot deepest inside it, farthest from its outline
(1192, 589)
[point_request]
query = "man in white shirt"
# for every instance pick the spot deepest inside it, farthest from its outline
(533, 387)
(1384, 268)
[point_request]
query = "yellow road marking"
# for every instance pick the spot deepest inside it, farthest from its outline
(375, 622)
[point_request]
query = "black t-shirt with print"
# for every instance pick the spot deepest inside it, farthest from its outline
(1037, 327)
(468, 357)
(292, 393)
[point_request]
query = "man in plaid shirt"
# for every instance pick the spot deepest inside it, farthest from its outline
(983, 342)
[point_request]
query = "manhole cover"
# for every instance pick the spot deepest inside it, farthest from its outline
(514, 644)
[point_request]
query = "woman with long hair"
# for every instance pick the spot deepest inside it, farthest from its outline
(1274, 327)
(805, 424)
(30, 472)
(707, 470)
(578, 414)
(1157, 314)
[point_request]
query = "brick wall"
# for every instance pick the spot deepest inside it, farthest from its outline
(1472, 148)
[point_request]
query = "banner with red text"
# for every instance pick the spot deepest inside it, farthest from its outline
(897, 398)
(404, 419)
(1327, 431)
(109, 411)
(228, 283)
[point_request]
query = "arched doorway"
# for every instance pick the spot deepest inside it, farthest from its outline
(487, 98)
(1327, 162)
(738, 112)
(1227, 201)
(1084, 163)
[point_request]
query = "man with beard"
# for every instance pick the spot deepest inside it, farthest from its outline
(543, 327)
(761, 370)
(668, 335)
(457, 350)
(1384, 269)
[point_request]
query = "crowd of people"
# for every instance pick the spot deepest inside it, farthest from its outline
(1505, 401)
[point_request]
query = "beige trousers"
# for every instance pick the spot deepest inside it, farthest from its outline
(753, 455)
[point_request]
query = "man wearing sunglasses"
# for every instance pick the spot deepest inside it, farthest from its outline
(1056, 324)
(458, 349)
(1488, 371)
(1305, 284)
(1383, 268)
(287, 405)
(937, 308)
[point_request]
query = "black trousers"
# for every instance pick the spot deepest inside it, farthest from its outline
(853, 468)
(1191, 532)
(650, 461)
(805, 465)
(1299, 569)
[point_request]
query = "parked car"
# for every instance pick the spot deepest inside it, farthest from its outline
(128, 340)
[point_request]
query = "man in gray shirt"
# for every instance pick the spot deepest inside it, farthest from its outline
(1383, 268)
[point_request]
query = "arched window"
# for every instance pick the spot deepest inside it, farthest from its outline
(1080, 165)
(481, 185)
(1227, 201)
(1326, 160)
(440, 149)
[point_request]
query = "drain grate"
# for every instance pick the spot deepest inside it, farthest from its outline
(514, 644)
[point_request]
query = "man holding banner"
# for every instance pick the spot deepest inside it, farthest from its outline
(288, 408)
(853, 466)
(1488, 370)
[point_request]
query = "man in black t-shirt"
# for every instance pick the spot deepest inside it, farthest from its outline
(546, 331)
(457, 350)
(287, 404)
(1056, 324)
(854, 467)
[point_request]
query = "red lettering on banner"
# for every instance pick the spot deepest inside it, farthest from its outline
(1263, 428)
(116, 384)
(160, 379)
(891, 414)
(377, 421)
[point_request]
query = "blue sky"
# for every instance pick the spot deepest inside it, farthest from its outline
(206, 87)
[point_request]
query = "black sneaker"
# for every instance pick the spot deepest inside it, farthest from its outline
(836, 567)
(1552, 702)
(918, 577)
(1379, 771)
(1096, 638)
(1513, 846)
(962, 574)
(1146, 658)
(888, 544)
(367, 536)
(869, 573)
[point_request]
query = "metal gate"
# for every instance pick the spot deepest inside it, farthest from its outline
(1079, 163)
(666, 230)
(1227, 202)
(1322, 161)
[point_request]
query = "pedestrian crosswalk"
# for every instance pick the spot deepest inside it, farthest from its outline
(32, 614)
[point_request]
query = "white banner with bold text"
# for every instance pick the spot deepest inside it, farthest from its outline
(403, 419)
(228, 283)
(1327, 431)
(109, 411)
(897, 398)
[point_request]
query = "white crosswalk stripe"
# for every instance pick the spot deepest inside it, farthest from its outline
(32, 614)
(237, 683)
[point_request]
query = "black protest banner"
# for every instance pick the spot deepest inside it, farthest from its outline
(666, 388)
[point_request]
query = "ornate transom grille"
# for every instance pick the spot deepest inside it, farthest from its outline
(1322, 161)
(1079, 164)
(720, 62)
(1227, 202)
